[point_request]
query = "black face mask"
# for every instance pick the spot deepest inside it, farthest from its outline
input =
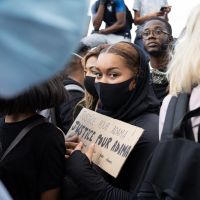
(89, 82)
(113, 96)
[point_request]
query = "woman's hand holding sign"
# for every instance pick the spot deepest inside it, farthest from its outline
(70, 144)
(89, 152)
(73, 144)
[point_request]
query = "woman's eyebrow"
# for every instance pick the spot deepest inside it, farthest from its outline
(108, 69)
(92, 67)
(112, 68)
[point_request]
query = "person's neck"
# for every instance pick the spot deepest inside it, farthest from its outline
(18, 117)
(159, 62)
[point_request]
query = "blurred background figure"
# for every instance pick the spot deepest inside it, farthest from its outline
(4, 193)
(73, 80)
(118, 20)
(35, 51)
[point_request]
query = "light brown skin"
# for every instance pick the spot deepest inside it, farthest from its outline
(90, 66)
(53, 194)
(138, 20)
(89, 153)
(70, 144)
(18, 117)
(154, 43)
(112, 69)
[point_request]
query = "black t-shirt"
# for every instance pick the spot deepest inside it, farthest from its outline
(36, 164)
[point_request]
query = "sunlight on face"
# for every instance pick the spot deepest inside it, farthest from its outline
(112, 69)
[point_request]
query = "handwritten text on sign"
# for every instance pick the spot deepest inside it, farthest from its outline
(113, 139)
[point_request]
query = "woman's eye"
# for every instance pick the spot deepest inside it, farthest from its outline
(94, 72)
(114, 75)
(98, 75)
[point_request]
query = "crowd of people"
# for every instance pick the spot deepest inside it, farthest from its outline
(128, 81)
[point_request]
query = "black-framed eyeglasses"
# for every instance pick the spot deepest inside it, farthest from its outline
(156, 32)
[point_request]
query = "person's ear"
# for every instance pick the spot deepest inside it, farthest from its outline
(132, 85)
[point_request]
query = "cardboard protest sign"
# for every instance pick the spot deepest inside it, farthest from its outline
(114, 139)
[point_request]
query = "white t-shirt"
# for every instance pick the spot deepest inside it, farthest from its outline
(148, 6)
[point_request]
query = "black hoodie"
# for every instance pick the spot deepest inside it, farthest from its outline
(140, 110)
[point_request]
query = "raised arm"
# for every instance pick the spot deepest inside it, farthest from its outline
(97, 13)
(138, 19)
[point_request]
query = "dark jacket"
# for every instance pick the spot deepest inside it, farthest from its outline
(140, 110)
(65, 113)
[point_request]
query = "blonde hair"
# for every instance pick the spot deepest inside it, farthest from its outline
(90, 101)
(184, 68)
(93, 52)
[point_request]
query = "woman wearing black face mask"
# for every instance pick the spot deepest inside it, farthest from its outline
(122, 84)
(89, 63)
